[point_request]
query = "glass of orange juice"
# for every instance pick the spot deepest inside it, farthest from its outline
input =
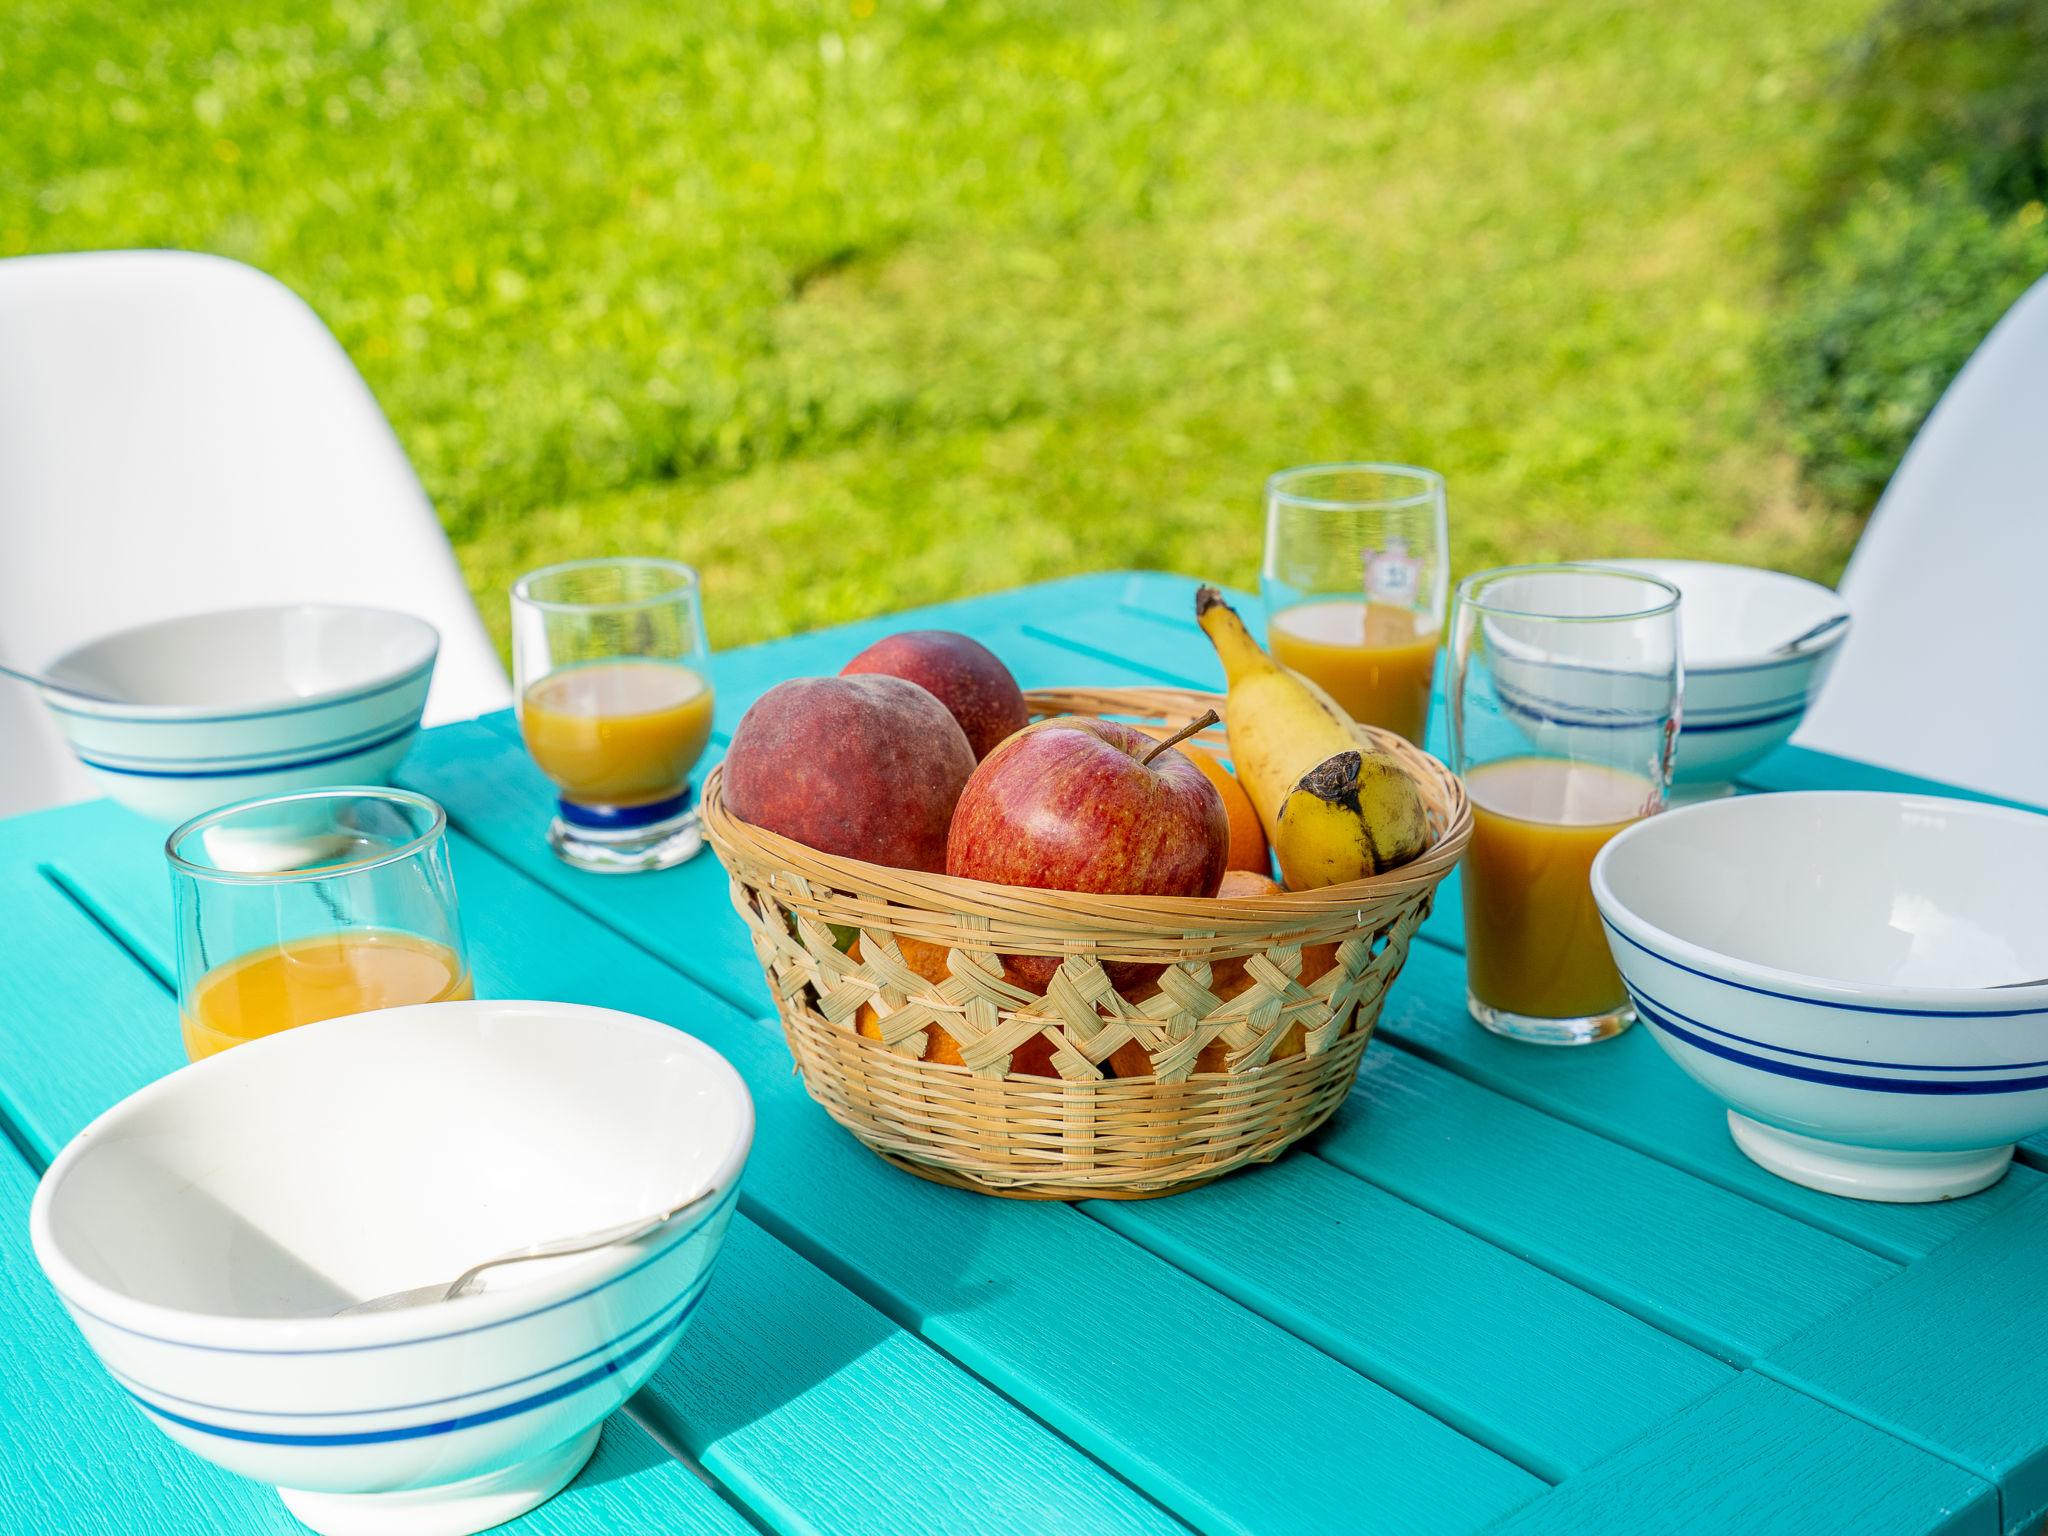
(1564, 696)
(1356, 575)
(308, 906)
(615, 705)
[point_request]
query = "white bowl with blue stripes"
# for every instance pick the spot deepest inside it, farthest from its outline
(229, 706)
(1742, 701)
(1858, 975)
(204, 1231)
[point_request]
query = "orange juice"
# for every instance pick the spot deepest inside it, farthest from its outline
(302, 981)
(1533, 943)
(618, 733)
(1377, 661)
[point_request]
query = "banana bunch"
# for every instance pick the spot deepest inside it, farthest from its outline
(1333, 809)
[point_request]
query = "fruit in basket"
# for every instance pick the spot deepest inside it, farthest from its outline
(1229, 977)
(863, 767)
(1352, 815)
(961, 673)
(1080, 804)
(1033, 1058)
(1355, 811)
(1247, 838)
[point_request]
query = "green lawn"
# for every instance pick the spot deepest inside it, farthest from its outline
(868, 303)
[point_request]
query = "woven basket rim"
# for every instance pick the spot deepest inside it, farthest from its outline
(1284, 911)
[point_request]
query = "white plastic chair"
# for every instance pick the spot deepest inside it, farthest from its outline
(1941, 675)
(180, 432)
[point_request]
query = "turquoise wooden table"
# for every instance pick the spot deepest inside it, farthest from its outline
(1504, 1287)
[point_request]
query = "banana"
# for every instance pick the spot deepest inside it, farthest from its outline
(1280, 724)
(1354, 811)
(1353, 815)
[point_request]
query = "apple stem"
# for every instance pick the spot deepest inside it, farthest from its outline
(1208, 718)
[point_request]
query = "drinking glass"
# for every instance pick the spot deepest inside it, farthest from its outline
(615, 705)
(1564, 698)
(1356, 575)
(301, 907)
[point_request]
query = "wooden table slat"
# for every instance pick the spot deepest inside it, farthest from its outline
(1950, 1354)
(1707, 1266)
(1758, 1459)
(787, 1369)
(1514, 1357)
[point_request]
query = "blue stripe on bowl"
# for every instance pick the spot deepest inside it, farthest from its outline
(1914, 1085)
(687, 1300)
(115, 761)
(1584, 717)
(401, 681)
(431, 1338)
(1691, 727)
(1823, 1002)
(482, 1416)
(1751, 707)
(1846, 1061)
(289, 765)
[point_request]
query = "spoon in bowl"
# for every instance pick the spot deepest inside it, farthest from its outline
(1806, 637)
(585, 1242)
(37, 680)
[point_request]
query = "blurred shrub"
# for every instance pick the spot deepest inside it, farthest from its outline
(1927, 222)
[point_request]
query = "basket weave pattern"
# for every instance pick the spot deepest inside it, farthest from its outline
(830, 935)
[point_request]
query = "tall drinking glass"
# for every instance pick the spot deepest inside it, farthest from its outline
(1356, 575)
(307, 906)
(1564, 697)
(615, 705)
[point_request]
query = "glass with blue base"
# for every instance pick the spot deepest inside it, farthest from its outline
(615, 699)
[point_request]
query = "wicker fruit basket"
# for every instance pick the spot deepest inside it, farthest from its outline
(1238, 1030)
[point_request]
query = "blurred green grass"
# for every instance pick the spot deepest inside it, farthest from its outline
(862, 303)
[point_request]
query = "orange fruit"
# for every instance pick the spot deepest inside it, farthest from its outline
(1247, 837)
(1033, 1057)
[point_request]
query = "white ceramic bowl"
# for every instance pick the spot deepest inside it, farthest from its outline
(203, 1232)
(258, 701)
(1741, 701)
(1837, 967)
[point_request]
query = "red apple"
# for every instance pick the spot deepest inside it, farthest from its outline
(962, 674)
(1078, 804)
(864, 767)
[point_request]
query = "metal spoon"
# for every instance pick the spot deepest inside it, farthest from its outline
(1804, 638)
(37, 680)
(442, 1290)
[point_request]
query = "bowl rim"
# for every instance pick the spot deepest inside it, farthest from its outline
(1795, 986)
(427, 640)
(297, 1336)
(1754, 661)
(437, 828)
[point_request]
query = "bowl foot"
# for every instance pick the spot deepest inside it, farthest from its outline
(1867, 1173)
(451, 1509)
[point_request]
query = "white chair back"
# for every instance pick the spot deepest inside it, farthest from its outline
(1949, 586)
(179, 433)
